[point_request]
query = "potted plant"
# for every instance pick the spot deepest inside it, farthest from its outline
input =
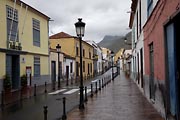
(24, 81)
(7, 83)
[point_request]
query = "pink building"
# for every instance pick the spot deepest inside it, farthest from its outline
(161, 56)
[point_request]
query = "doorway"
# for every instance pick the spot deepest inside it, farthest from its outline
(13, 70)
(138, 67)
(53, 73)
(67, 75)
(77, 69)
(173, 60)
(151, 59)
(141, 72)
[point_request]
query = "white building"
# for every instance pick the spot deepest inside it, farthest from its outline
(98, 62)
(69, 68)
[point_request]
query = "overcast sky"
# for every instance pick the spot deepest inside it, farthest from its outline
(102, 17)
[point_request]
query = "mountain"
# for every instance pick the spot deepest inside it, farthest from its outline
(106, 42)
(116, 42)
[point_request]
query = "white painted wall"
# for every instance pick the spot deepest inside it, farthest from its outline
(99, 62)
(67, 62)
(54, 57)
(100, 55)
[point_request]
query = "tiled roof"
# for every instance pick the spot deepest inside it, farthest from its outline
(61, 35)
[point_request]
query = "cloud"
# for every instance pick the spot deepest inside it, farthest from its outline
(102, 17)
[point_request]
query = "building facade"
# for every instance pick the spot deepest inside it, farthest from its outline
(97, 57)
(138, 18)
(159, 32)
(106, 58)
(70, 46)
(24, 44)
(161, 56)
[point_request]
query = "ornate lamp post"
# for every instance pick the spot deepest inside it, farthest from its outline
(112, 55)
(118, 65)
(58, 49)
(80, 28)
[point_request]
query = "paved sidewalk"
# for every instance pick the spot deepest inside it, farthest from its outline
(14, 96)
(119, 100)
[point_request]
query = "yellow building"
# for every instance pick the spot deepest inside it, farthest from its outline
(23, 44)
(70, 46)
(119, 54)
(106, 58)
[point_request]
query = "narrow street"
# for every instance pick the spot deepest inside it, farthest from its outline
(119, 100)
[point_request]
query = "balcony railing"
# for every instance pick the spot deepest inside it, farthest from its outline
(14, 45)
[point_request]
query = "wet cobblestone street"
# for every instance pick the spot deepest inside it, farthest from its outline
(119, 100)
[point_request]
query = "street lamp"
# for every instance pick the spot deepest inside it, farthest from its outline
(80, 28)
(58, 49)
(118, 65)
(126, 41)
(112, 55)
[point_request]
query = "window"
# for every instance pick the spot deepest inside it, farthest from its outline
(137, 26)
(140, 15)
(77, 50)
(83, 52)
(149, 7)
(36, 32)
(88, 68)
(71, 67)
(89, 55)
(36, 66)
(91, 67)
(83, 66)
(12, 24)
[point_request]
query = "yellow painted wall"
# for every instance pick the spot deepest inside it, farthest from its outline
(3, 24)
(54, 57)
(118, 54)
(106, 51)
(67, 45)
(2, 64)
(86, 58)
(44, 65)
(26, 38)
(29, 61)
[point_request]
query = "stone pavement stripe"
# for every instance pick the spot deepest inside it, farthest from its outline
(71, 91)
(88, 90)
(56, 92)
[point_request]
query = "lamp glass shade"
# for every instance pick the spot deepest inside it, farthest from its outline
(80, 28)
(112, 54)
(58, 48)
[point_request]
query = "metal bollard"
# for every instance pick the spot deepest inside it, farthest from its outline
(67, 81)
(91, 90)
(64, 109)
(2, 99)
(102, 83)
(71, 80)
(99, 84)
(96, 87)
(45, 87)
(45, 112)
(85, 95)
(34, 89)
